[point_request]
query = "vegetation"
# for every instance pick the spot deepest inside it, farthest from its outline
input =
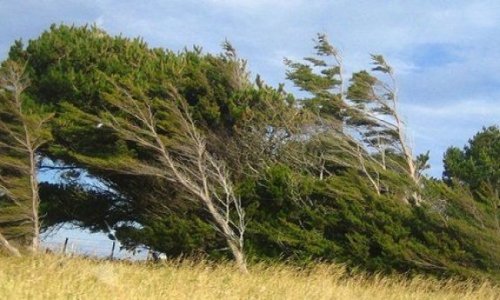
(23, 131)
(185, 154)
(86, 279)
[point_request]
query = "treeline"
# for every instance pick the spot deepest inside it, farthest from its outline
(185, 153)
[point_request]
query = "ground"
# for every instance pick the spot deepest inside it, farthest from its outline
(58, 277)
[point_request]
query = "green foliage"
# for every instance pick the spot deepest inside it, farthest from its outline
(306, 185)
(177, 235)
(23, 131)
(478, 164)
(374, 107)
(301, 218)
(320, 76)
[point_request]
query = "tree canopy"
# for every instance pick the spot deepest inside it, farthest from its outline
(184, 153)
(477, 164)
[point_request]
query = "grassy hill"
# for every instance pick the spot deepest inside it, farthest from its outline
(55, 277)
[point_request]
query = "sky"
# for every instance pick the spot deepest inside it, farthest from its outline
(445, 53)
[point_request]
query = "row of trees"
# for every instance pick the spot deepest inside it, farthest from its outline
(183, 153)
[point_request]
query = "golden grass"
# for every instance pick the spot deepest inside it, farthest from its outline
(53, 277)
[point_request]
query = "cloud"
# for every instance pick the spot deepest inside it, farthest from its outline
(434, 55)
(439, 126)
(484, 109)
(255, 4)
(445, 52)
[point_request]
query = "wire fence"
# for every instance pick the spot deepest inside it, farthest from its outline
(99, 248)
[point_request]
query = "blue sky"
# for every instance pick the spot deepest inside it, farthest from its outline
(446, 53)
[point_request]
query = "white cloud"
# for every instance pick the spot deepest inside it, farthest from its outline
(265, 31)
(256, 4)
(486, 109)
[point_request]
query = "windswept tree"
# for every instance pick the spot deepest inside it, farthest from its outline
(23, 130)
(321, 77)
(359, 127)
(376, 111)
(159, 146)
(174, 150)
(69, 67)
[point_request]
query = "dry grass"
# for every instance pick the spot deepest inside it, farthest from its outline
(52, 277)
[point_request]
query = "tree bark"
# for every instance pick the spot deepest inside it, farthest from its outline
(35, 198)
(35, 204)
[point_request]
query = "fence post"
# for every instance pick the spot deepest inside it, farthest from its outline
(112, 250)
(65, 246)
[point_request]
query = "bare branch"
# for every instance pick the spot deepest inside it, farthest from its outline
(185, 160)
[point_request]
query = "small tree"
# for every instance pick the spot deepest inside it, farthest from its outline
(23, 130)
(178, 153)
(358, 128)
(322, 77)
(477, 167)
(477, 164)
(375, 110)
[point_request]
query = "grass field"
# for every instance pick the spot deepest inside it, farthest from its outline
(53, 277)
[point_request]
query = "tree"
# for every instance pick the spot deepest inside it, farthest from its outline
(378, 102)
(323, 128)
(477, 167)
(70, 68)
(322, 77)
(358, 128)
(172, 141)
(180, 155)
(477, 163)
(375, 112)
(23, 130)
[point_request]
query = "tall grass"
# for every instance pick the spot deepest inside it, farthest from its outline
(53, 277)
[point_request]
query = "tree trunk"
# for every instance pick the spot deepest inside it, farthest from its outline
(239, 257)
(231, 238)
(496, 207)
(35, 200)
